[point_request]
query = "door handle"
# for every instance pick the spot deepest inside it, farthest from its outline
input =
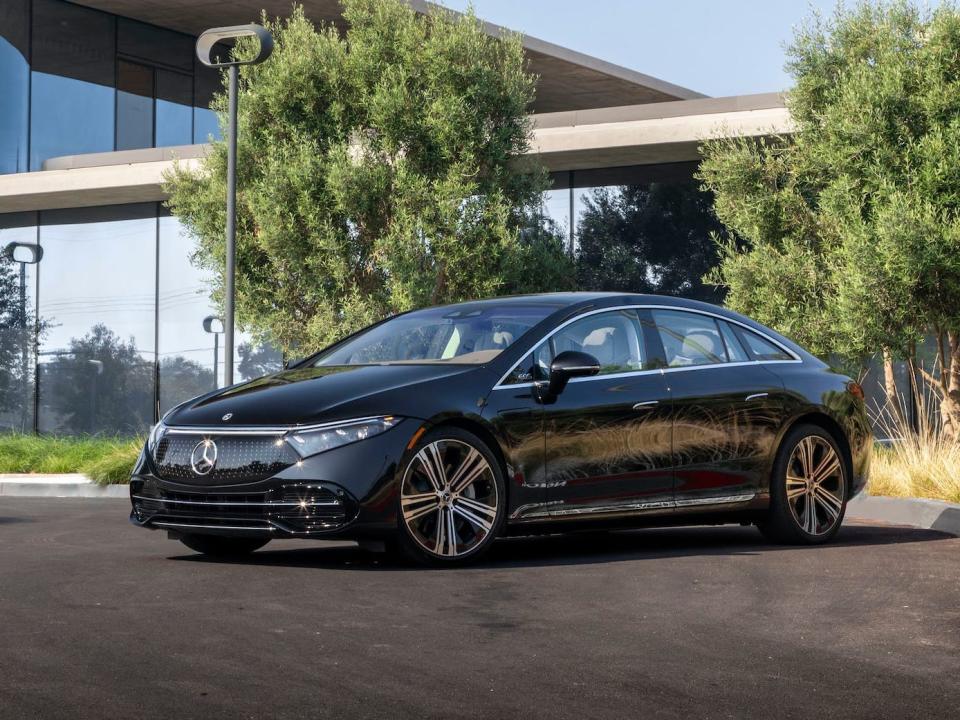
(756, 396)
(646, 405)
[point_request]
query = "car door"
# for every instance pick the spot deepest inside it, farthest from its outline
(607, 438)
(727, 408)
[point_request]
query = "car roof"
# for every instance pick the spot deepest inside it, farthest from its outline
(579, 301)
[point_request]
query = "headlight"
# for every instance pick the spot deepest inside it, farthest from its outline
(318, 440)
(156, 433)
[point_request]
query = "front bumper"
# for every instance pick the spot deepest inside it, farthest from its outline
(348, 492)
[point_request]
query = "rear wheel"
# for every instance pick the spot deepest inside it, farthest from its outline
(452, 498)
(808, 489)
(219, 546)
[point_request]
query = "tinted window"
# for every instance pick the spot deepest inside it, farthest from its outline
(15, 82)
(762, 349)
(467, 334)
(72, 93)
(689, 338)
(613, 338)
(96, 369)
(134, 106)
(735, 350)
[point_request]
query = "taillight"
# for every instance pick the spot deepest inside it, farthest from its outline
(855, 389)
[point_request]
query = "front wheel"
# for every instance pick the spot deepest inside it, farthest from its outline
(452, 498)
(808, 489)
(219, 546)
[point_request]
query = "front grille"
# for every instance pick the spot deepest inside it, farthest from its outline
(297, 509)
(240, 458)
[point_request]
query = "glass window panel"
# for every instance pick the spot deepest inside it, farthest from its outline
(734, 347)
(191, 359)
(188, 354)
(68, 117)
(96, 291)
(760, 348)
(206, 83)
(134, 106)
(72, 95)
(689, 339)
(613, 338)
(155, 44)
(15, 81)
(73, 41)
(646, 229)
(174, 110)
(17, 324)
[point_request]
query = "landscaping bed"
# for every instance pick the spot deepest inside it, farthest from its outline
(105, 461)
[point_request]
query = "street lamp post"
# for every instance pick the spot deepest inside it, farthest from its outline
(205, 46)
(214, 325)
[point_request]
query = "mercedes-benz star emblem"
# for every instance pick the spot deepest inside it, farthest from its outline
(204, 457)
(227, 416)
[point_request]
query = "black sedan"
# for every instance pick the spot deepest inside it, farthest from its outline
(441, 429)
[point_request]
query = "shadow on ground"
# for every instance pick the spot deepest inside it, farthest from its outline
(581, 548)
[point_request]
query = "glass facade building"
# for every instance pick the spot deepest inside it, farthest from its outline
(106, 332)
(76, 80)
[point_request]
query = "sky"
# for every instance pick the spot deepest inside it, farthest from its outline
(716, 47)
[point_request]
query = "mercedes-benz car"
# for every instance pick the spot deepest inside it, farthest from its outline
(440, 430)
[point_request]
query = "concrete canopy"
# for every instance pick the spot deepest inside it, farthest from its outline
(568, 80)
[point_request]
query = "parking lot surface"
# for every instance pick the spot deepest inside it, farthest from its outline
(99, 619)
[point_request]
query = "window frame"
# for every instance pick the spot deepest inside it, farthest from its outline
(654, 349)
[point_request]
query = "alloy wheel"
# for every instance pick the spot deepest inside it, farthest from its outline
(815, 485)
(449, 498)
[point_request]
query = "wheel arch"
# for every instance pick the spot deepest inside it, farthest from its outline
(481, 430)
(824, 421)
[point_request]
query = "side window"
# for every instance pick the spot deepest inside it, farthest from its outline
(535, 366)
(689, 338)
(735, 350)
(613, 338)
(761, 348)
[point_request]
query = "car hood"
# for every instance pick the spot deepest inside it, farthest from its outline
(311, 395)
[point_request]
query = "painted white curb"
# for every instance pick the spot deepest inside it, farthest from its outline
(926, 514)
(54, 486)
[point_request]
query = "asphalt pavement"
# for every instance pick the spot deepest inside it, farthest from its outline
(99, 619)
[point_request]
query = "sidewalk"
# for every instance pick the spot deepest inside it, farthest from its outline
(66, 485)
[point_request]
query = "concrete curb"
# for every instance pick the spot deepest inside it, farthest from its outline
(927, 514)
(57, 486)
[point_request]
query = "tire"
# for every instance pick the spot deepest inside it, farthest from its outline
(452, 499)
(225, 547)
(809, 471)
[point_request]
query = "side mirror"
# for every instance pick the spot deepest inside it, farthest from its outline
(567, 365)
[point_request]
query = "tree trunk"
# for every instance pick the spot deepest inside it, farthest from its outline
(893, 396)
(950, 371)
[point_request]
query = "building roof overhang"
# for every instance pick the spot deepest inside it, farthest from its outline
(606, 138)
(569, 80)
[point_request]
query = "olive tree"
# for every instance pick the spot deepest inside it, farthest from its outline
(852, 222)
(381, 167)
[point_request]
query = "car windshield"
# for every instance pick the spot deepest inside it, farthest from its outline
(462, 334)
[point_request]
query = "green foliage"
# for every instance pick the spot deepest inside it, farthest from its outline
(852, 224)
(104, 460)
(656, 238)
(378, 170)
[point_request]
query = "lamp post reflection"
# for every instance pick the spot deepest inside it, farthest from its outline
(214, 325)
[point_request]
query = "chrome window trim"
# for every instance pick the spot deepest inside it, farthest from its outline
(269, 430)
(634, 373)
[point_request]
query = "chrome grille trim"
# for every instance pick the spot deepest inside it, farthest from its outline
(195, 526)
(278, 503)
(272, 430)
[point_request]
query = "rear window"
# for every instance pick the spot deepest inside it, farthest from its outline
(761, 348)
